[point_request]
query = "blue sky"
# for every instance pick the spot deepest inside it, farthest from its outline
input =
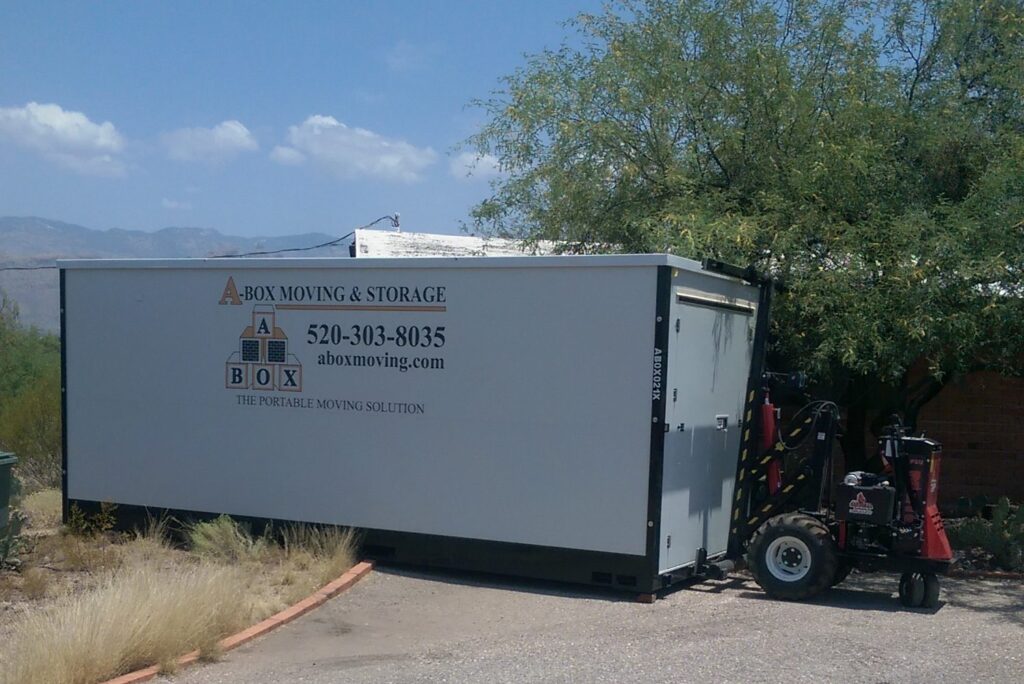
(254, 118)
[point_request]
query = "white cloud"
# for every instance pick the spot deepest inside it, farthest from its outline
(174, 204)
(289, 156)
(353, 152)
(471, 166)
(66, 138)
(218, 144)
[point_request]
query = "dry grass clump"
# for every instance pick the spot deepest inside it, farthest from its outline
(138, 601)
(87, 555)
(149, 545)
(35, 582)
(225, 540)
(7, 582)
(276, 574)
(332, 550)
(135, 617)
(43, 508)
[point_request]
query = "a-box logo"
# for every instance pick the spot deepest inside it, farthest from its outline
(262, 361)
(861, 506)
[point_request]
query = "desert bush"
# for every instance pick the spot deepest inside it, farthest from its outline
(27, 353)
(30, 426)
(43, 508)
(134, 618)
(35, 582)
(87, 554)
(331, 548)
(11, 541)
(149, 544)
(81, 524)
(1002, 536)
(224, 539)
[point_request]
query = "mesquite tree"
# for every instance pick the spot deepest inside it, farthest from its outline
(869, 155)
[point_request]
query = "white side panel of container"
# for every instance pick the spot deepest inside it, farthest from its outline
(530, 423)
(710, 347)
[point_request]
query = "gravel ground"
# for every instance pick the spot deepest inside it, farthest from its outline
(407, 627)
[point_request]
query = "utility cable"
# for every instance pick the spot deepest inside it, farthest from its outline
(393, 218)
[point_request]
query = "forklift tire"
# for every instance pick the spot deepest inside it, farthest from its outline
(931, 591)
(793, 557)
(842, 573)
(912, 589)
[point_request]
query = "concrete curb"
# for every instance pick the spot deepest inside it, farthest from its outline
(317, 598)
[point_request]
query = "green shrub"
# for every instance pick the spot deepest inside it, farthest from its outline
(334, 548)
(43, 508)
(30, 426)
(1002, 536)
(26, 354)
(11, 541)
(81, 524)
(223, 539)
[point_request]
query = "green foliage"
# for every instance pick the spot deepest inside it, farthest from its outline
(868, 154)
(16, 490)
(78, 523)
(30, 426)
(25, 353)
(81, 524)
(104, 519)
(11, 541)
(1002, 536)
(224, 539)
(30, 399)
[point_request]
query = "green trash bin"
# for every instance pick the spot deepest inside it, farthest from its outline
(7, 462)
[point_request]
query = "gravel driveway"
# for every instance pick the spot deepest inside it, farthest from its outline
(399, 626)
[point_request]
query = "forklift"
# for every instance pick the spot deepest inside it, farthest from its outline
(798, 525)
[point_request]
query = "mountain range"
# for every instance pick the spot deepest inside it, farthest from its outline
(33, 241)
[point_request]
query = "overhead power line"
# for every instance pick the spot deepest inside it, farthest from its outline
(393, 218)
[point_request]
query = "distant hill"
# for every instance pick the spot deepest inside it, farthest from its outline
(32, 241)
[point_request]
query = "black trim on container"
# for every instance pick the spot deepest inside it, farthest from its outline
(621, 572)
(63, 404)
(745, 309)
(658, 406)
(739, 534)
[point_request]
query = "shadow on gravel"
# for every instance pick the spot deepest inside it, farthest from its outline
(507, 583)
(1003, 600)
(877, 594)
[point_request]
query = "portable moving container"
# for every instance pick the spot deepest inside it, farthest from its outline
(573, 418)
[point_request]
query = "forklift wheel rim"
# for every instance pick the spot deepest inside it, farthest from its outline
(788, 559)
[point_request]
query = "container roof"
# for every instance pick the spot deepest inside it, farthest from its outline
(559, 261)
(290, 263)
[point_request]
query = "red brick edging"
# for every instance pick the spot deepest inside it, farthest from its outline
(317, 598)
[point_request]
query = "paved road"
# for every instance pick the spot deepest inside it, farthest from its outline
(408, 627)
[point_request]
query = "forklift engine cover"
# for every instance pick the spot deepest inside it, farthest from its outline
(874, 505)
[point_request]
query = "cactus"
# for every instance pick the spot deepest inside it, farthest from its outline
(11, 541)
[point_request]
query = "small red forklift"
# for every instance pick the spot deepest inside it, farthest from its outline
(802, 527)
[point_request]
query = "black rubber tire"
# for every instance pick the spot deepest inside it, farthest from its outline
(912, 589)
(842, 573)
(824, 561)
(931, 591)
